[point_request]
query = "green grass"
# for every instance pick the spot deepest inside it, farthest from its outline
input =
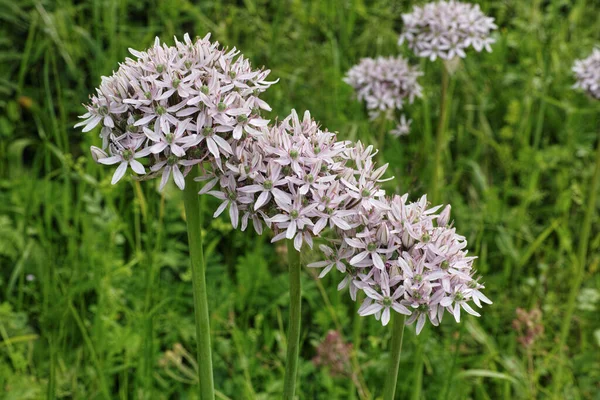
(111, 299)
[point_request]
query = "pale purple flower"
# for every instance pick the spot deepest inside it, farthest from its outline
(171, 167)
(384, 84)
(126, 156)
(587, 73)
(230, 199)
(382, 302)
(335, 258)
(456, 299)
(368, 248)
(402, 128)
(179, 104)
(298, 180)
(446, 29)
(172, 141)
(268, 187)
(295, 218)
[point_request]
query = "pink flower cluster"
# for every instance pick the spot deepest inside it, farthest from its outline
(405, 257)
(298, 180)
(195, 104)
(445, 29)
(334, 353)
(384, 83)
(174, 106)
(587, 73)
(295, 179)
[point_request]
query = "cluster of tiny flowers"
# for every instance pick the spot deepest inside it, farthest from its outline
(298, 180)
(384, 83)
(587, 73)
(334, 354)
(446, 29)
(295, 179)
(175, 106)
(195, 104)
(405, 258)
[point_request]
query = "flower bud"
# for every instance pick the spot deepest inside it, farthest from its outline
(444, 217)
(97, 153)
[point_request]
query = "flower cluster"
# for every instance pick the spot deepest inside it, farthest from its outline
(446, 29)
(196, 104)
(334, 353)
(587, 73)
(384, 83)
(298, 180)
(406, 258)
(529, 326)
(175, 106)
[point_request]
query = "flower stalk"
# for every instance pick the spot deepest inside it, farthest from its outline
(581, 264)
(391, 379)
(293, 336)
(438, 172)
(194, 222)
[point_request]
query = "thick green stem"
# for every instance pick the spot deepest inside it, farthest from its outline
(419, 362)
(389, 391)
(194, 221)
(438, 172)
(581, 264)
(293, 335)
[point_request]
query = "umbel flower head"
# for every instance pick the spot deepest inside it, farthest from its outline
(334, 353)
(445, 29)
(175, 106)
(298, 180)
(587, 73)
(295, 179)
(406, 259)
(384, 84)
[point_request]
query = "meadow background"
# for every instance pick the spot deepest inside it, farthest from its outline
(95, 289)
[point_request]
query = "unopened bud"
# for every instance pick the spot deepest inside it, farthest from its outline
(444, 217)
(97, 153)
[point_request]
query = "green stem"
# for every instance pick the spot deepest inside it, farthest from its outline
(581, 264)
(382, 122)
(419, 364)
(448, 383)
(438, 172)
(191, 202)
(293, 336)
(391, 379)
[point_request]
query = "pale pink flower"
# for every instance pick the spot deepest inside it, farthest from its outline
(179, 104)
(384, 84)
(445, 29)
(587, 73)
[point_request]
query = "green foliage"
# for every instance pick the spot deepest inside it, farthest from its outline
(95, 289)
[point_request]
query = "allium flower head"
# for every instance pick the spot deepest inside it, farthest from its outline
(299, 180)
(384, 84)
(445, 29)
(296, 179)
(406, 258)
(587, 73)
(334, 353)
(175, 106)
(529, 326)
